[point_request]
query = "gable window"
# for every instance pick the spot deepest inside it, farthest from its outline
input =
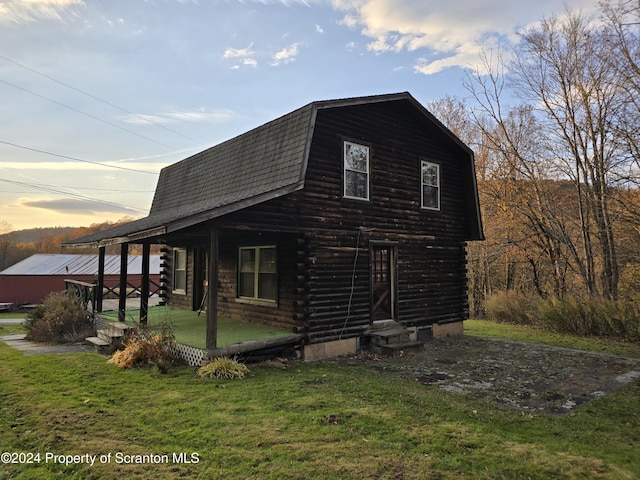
(257, 273)
(179, 270)
(430, 185)
(356, 171)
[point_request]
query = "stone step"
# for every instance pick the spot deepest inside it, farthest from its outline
(110, 334)
(99, 343)
(396, 349)
(119, 327)
(391, 336)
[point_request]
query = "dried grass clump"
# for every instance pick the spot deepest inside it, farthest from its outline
(145, 347)
(223, 367)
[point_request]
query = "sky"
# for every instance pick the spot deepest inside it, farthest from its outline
(96, 96)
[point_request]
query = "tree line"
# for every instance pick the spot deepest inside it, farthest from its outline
(18, 245)
(555, 126)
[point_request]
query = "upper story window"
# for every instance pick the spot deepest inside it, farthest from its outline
(179, 270)
(356, 171)
(257, 273)
(430, 185)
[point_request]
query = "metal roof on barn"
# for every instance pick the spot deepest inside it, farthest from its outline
(61, 264)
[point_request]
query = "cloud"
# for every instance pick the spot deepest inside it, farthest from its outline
(28, 11)
(244, 55)
(199, 115)
(319, 29)
(286, 55)
(79, 207)
(450, 34)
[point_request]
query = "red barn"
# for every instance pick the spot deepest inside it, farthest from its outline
(32, 279)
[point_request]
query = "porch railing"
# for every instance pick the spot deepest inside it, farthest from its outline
(84, 291)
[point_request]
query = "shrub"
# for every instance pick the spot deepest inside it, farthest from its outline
(223, 367)
(60, 319)
(509, 307)
(145, 347)
(591, 316)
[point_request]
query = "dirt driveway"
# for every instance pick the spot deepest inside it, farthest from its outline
(529, 377)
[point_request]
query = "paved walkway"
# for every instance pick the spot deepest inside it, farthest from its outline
(32, 348)
(11, 321)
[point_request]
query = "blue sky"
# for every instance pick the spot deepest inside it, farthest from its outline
(98, 96)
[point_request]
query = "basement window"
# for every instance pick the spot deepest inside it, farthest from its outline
(356, 171)
(430, 185)
(257, 273)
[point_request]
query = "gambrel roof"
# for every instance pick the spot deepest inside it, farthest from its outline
(264, 163)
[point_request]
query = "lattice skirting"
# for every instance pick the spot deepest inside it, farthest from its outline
(192, 355)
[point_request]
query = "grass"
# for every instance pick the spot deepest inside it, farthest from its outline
(309, 420)
(522, 333)
(15, 314)
(190, 329)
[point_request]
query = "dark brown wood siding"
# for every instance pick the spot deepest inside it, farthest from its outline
(279, 315)
(332, 296)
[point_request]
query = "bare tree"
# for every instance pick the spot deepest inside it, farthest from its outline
(578, 122)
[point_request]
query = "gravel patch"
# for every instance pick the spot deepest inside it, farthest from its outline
(529, 377)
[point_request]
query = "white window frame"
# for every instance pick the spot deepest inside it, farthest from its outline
(182, 272)
(345, 170)
(423, 184)
(256, 274)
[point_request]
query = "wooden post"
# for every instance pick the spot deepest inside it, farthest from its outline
(144, 288)
(100, 288)
(122, 294)
(212, 293)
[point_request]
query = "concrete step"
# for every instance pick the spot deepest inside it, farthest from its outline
(99, 343)
(396, 349)
(119, 327)
(391, 336)
(110, 334)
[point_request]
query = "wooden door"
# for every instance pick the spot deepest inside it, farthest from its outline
(383, 282)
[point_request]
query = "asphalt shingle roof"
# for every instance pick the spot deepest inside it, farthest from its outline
(263, 163)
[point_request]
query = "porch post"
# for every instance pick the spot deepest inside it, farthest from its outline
(100, 286)
(144, 288)
(122, 294)
(212, 292)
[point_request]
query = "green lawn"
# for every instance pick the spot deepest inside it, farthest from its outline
(189, 328)
(315, 420)
(522, 333)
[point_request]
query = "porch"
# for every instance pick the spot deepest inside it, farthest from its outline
(189, 328)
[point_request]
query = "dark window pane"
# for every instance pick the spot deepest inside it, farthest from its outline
(430, 197)
(267, 286)
(247, 260)
(245, 289)
(267, 260)
(356, 185)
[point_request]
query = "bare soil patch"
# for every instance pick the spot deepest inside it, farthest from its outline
(530, 377)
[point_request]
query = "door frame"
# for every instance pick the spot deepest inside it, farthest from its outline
(392, 278)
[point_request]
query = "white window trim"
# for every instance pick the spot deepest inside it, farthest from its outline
(256, 300)
(176, 251)
(345, 170)
(422, 185)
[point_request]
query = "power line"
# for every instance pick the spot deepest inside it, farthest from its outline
(77, 159)
(72, 195)
(85, 113)
(106, 102)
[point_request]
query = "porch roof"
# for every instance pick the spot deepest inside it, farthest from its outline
(264, 163)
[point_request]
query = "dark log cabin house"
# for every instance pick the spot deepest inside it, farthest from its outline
(336, 220)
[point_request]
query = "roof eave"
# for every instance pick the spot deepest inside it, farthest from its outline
(130, 238)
